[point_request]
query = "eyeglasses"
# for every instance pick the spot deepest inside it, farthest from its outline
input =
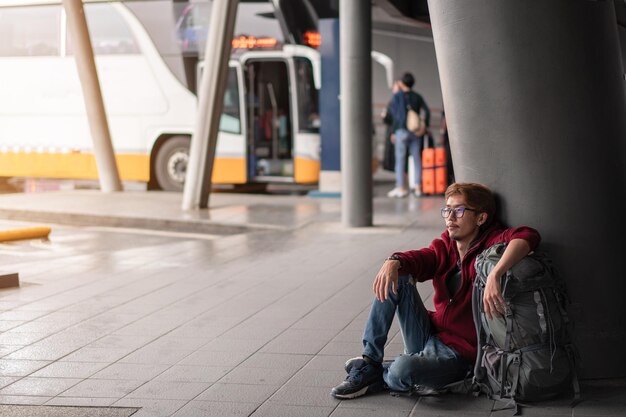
(458, 211)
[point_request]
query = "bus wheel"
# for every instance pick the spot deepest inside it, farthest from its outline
(171, 162)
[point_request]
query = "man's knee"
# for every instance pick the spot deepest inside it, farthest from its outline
(407, 371)
(405, 279)
(400, 374)
(403, 367)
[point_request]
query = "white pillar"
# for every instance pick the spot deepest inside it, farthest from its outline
(94, 104)
(210, 102)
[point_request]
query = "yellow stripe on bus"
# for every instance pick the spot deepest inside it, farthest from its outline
(306, 171)
(132, 167)
(229, 171)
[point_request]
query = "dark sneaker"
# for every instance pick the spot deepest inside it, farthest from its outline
(350, 362)
(362, 378)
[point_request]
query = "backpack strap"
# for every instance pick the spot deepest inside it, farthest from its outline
(478, 324)
(479, 383)
(510, 405)
(570, 349)
(541, 314)
(509, 330)
(507, 391)
(504, 390)
(515, 367)
(407, 101)
(571, 355)
(503, 370)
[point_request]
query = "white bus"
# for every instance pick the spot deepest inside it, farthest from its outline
(147, 56)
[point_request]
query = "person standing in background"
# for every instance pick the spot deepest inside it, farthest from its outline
(389, 157)
(403, 140)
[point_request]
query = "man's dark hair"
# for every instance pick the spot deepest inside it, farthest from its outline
(477, 196)
(408, 79)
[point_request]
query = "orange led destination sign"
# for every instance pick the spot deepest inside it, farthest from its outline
(313, 39)
(251, 42)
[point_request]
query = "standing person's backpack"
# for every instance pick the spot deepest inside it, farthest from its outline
(528, 354)
(414, 122)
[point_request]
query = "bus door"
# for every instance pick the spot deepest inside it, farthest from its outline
(229, 164)
(305, 84)
(270, 129)
(230, 156)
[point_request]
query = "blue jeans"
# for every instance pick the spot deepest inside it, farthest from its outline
(406, 140)
(426, 360)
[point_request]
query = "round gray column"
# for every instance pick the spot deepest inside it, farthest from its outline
(535, 104)
(355, 66)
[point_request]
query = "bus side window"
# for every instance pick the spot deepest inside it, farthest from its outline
(230, 121)
(30, 31)
(308, 97)
(109, 33)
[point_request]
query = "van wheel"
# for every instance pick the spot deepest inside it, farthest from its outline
(171, 163)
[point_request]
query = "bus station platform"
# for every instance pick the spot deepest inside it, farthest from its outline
(250, 308)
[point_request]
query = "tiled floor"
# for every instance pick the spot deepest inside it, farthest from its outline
(248, 324)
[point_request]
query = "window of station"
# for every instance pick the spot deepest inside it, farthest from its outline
(109, 33)
(30, 31)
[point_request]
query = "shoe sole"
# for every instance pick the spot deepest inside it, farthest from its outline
(375, 387)
(350, 396)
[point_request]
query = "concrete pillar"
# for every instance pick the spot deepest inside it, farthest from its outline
(94, 104)
(210, 103)
(356, 112)
(535, 104)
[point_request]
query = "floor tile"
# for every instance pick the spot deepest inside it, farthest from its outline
(39, 386)
(238, 393)
(215, 409)
(17, 367)
(130, 371)
(280, 410)
(102, 388)
(69, 370)
(167, 390)
(193, 373)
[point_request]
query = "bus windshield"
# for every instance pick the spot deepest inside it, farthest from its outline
(256, 26)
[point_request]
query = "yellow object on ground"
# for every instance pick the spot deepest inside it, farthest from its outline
(26, 233)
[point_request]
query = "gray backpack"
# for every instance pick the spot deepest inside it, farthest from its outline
(527, 355)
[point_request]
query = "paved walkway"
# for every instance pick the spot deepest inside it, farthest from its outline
(248, 309)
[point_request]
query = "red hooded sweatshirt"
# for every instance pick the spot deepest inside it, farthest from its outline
(452, 319)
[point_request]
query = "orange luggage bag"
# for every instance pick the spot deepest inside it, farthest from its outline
(434, 171)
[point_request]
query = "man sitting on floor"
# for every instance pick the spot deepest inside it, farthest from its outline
(440, 345)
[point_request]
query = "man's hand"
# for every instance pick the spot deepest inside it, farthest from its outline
(392, 138)
(493, 302)
(386, 278)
